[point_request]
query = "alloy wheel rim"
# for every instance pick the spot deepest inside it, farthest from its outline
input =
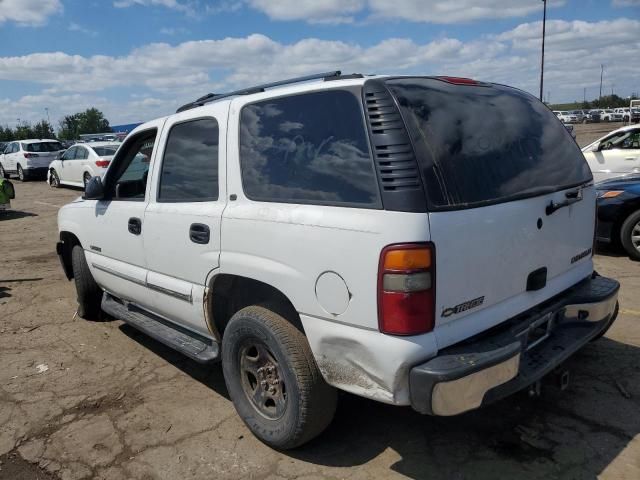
(262, 381)
(20, 173)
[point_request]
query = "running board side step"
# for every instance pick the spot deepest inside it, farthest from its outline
(195, 346)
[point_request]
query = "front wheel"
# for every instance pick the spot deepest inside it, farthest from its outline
(88, 292)
(3, 173)
(630, 235)
(273, 380)
(54, 180)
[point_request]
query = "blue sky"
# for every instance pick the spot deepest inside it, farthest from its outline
(138, 59)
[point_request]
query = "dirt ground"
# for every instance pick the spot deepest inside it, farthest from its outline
(98, 400)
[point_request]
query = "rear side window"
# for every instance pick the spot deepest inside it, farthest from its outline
(479, 145)
(308, 148)
(190, 164)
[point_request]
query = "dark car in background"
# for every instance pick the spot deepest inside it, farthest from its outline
(619, 213)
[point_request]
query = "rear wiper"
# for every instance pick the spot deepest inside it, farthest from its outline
(573, 196)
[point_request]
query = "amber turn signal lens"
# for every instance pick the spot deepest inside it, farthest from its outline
(409, 259)
(611, 194)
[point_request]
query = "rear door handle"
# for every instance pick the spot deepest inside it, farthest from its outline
(135, 226)
(630, 158)
(199, 233)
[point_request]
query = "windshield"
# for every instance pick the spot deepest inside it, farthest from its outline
(486, 144)
(42, 147)
(106, 151)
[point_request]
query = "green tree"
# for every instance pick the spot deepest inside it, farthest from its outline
(69, 127)
(23, 131)
(6, 134)
(43, 129)
(90, 121)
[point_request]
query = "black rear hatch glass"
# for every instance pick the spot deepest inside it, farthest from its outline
(484, 144)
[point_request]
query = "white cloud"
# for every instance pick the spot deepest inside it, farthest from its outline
(574, 53)
(28, 12)
(455, 11)
(314, 11)
(75, 27)
(431, 11)
(346, 11)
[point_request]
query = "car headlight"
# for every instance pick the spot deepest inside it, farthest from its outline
(609, 193)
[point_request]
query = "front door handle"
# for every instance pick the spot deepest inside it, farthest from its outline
(135, 226)
(199, 233)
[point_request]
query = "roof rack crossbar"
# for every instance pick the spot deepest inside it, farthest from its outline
(210, 97)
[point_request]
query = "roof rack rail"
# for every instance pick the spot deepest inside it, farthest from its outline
(210, 97)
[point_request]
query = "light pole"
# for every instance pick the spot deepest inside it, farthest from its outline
(544, 27)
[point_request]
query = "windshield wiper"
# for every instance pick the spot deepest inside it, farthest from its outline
(572, 197)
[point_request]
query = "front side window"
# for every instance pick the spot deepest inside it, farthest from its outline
(190, 163)
(308, 148)
(127, 179)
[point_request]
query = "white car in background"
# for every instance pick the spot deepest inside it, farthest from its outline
(28, 158)
(615, 155)
(610, 115)
(81, 162)
(566, 117)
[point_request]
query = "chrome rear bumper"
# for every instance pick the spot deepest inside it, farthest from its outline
(515, 354)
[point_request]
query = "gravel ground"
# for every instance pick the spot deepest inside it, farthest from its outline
(98, 400)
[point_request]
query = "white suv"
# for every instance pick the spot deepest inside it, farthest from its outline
(29, 158)
(81, 162)
(422, 241)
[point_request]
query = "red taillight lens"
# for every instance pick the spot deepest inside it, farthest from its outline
(103, 163)
(406, 289)
(30, 155)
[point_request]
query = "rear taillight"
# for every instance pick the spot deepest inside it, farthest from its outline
(459, 80)
(406, 289)
(30, 155)
(102, 163)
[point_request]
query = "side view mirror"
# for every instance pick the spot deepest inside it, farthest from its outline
(94, 189)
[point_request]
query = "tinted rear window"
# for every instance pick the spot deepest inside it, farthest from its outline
(105, 151)
(480, 145)
(42, 147)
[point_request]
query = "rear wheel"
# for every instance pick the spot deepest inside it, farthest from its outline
(273, 379)
(21, 176)
(54, 180)
(630, 235)
(85, 179)
(88, 292)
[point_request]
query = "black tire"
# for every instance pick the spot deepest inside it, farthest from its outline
(21, 176)
(629, 233)
(609, 323)
(88, 292)
(54, 179)
(3, 172)
(85, 179)
(309, 402)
